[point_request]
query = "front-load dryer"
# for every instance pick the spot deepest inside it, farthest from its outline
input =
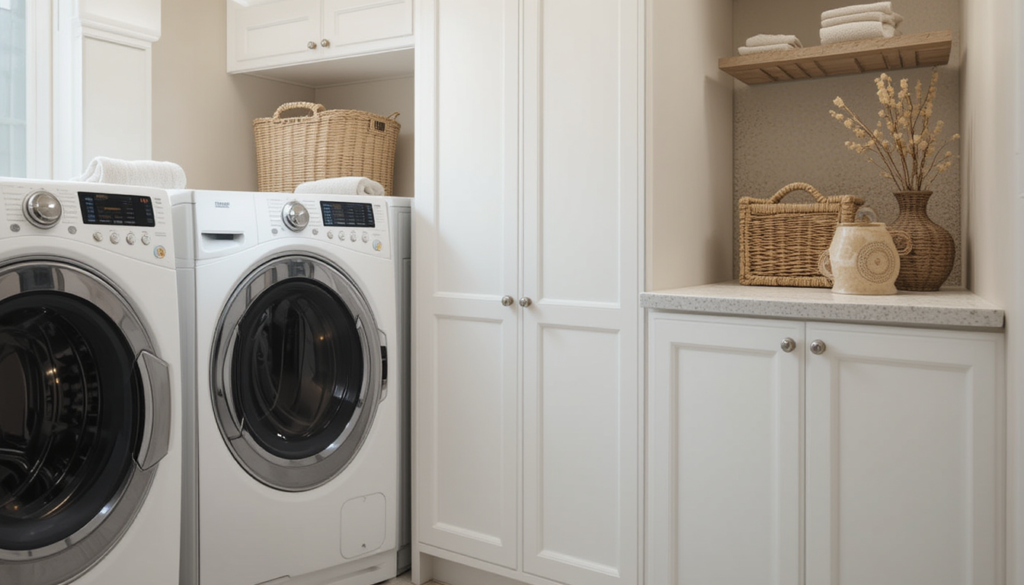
(300, 410)
(90, 456)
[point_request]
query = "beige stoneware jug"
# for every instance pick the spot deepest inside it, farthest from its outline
(863, 259)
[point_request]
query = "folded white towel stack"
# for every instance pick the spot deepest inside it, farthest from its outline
(342, 186)
(859, 22)
(143, 173)
(765, 43)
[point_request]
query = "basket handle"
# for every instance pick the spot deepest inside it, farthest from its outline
(315, 108)
(797, 187)
(393, 116)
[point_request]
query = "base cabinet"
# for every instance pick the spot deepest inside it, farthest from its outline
(787, 452)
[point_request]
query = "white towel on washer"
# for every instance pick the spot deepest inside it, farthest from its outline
(342, 186)
(144, 173)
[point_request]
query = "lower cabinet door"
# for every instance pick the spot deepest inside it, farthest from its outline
(724, 451)
(903, 428)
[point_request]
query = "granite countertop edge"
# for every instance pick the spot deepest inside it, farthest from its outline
(959, 309)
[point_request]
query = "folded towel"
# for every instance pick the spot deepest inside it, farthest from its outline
(765, 40)
(765, 49)
(856, 31)
(147, 173)
(890, 18)
(856, 9)
(342, 186)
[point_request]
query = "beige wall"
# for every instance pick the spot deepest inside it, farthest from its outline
(783, 131)
(689, 144)
(202, 117)
(991, 75)
(382, 98)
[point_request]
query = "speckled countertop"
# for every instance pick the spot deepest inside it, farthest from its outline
(947, 308)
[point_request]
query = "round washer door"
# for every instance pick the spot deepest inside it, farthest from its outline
(297, 371)
(85, 419)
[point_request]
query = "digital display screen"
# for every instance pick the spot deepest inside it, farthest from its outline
(107, 209)
(347, 214)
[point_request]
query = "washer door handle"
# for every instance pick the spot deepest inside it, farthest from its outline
(383, 366)
(156, 390)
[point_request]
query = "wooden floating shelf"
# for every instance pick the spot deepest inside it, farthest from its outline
(903, 52)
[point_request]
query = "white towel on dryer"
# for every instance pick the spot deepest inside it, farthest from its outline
(342, 186)
(143, 173)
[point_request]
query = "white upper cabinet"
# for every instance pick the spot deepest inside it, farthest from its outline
(267, 34)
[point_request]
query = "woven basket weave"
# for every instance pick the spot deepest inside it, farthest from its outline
(323, 145)
(780, 242)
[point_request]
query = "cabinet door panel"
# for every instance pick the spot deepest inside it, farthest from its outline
(724, 446)
(901, 461)
(465, 224)
(580, 267)
(347, 22)
(269, 29)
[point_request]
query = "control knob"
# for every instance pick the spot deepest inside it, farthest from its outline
(295, 216)
(42, 209)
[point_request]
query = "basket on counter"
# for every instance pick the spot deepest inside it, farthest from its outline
(322, 145)
(780, 243)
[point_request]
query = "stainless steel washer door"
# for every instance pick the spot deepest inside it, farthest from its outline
(296, 372)
(84, 420)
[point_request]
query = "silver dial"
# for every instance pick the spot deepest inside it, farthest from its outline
(42, 209)
(295, 216)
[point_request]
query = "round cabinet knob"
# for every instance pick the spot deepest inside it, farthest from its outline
(311, 45)
(788, 344)
(817, 347)
(42, 209)
(525, 302)
(295, 216)
(325, 43)
(507, 300)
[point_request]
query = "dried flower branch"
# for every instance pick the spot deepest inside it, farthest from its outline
(905, 147)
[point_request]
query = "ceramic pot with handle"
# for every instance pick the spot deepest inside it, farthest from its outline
(863, 258)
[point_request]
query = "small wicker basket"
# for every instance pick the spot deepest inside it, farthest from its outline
(322, 145)
(780, 243)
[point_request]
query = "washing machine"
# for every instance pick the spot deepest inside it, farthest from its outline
(299, 316)
(90, 394)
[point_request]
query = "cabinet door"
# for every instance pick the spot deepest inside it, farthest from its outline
(270, 28)
(349, 22)
(466, 221)
(581, 461)
(903, 428)
(724, 451)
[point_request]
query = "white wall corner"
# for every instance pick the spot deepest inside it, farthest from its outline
(139, 19)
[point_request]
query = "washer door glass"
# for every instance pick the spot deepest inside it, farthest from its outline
(297, 373)
(73, 424)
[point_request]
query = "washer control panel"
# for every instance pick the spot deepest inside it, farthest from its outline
(133, 221)
(355, 222)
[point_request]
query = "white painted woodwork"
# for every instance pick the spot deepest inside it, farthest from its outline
(466, 230)
(878, 461)
(724, 451)
(528, 186)
(266, 35)
(350, 22)
(580, 225)
(903, 435)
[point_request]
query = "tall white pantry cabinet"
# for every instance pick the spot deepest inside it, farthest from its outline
(528, 239)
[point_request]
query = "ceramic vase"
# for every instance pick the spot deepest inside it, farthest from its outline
(930, 260)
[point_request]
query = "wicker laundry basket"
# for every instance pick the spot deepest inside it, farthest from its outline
(322, 145)
(780, 243)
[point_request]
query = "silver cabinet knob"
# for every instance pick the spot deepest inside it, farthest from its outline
(525, 302)
(42, 209)
(788, 344)
(295, 216)
(817, 347)
(325, 43)
(507, 300)
(311, 45)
